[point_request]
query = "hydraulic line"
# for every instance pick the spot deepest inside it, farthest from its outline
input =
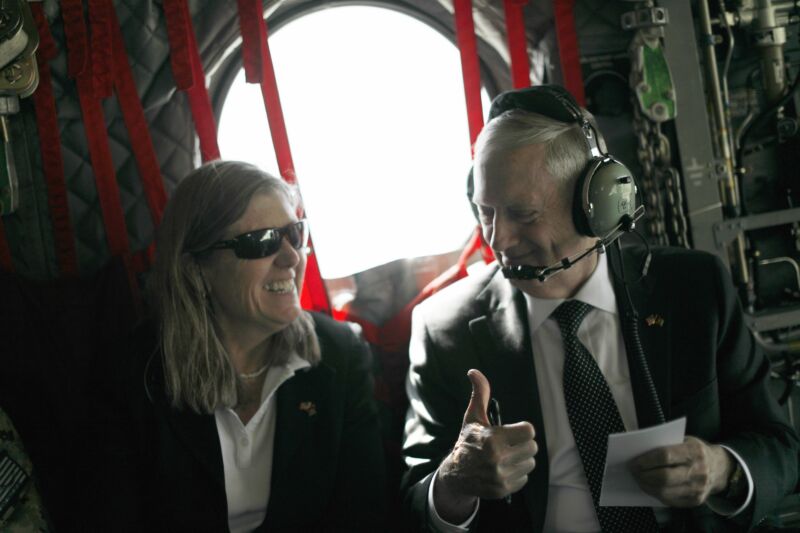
(726, 97)
(728, 188)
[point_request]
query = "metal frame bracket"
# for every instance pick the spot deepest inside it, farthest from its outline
(728, 230)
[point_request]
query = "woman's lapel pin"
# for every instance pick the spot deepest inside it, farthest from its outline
(654, 320)
(309, 408)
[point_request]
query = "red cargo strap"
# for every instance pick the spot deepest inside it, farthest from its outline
(94, 124)
(249, 14)
(100, 19)
(470, 70)
(314, 296)
(187, 68)
(103, 166)
(457, 271)
(470, 66)
(77, 37)
(568, 50)
(136, 124)
(517, 43)
(50, 148)
(254, 34)
(474, 244)
(178, 37)
(394, 334)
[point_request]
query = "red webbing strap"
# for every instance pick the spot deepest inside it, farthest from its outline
(249, 14)
(6, 264)
(393, 335)
(455, 272)
(100, 19)
(486, 252)
(95, 127)
(473, 245)
(470, 70)
(567, 38)
(269, 85)
(103, 166)
(183, 53)
(314, 295)
(142, 260)
(44, 104)
(470, 66)
(77, 37)
(199, 101)
(517, 43)
(136, 124)
(178, 44)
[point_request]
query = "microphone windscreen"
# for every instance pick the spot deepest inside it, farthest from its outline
(522, 272)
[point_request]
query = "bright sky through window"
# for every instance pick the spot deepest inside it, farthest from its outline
(374, 106)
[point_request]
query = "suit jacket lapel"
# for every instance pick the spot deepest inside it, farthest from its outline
(299, 446)
(654, 323)
(504, 350)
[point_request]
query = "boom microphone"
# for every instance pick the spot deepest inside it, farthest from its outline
(543, 273)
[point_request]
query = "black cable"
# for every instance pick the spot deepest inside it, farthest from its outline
(648, 256)
(789, 383)
(630, 327)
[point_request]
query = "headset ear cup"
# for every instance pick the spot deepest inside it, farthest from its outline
(579, 216)
(610, 191)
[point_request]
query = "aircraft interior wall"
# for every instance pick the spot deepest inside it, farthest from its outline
(708, 122)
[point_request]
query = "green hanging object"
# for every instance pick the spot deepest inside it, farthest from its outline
(652, 80)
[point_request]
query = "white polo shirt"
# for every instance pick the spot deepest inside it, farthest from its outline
(247, 451)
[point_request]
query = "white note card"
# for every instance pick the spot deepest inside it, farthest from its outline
(619, 487)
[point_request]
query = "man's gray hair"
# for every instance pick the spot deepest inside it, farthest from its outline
(198, 372)
(566, 151)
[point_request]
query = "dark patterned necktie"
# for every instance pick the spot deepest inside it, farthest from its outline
(593, 416)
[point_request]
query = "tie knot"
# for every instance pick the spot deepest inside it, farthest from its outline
(569, 316)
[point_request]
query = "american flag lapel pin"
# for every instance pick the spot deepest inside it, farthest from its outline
(654, 320)
(309, 408)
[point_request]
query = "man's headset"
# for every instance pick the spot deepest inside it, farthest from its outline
(604, 204)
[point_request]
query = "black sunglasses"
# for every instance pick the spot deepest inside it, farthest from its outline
(265, 242)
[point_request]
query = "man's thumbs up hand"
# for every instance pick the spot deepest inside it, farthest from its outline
(479, 401)
(486, 462)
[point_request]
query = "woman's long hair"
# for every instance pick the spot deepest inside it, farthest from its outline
(198, 372)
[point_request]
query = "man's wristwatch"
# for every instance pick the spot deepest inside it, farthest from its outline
(737, 485)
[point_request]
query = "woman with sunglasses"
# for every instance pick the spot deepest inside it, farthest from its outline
(235, 409)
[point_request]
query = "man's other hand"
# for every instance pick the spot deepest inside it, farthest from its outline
(684, 475)
(486, 462)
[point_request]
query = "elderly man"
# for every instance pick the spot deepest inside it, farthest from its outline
(570, 361)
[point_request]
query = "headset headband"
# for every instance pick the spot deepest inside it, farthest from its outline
(551, 101)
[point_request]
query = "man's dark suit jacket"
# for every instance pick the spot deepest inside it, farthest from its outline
(703, 360)
(160, 469)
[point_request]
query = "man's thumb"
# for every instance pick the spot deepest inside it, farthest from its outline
(479, 401)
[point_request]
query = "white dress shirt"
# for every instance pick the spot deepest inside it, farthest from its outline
(247, 451)
(569, 500)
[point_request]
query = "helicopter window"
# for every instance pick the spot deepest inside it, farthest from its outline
(374, 108)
